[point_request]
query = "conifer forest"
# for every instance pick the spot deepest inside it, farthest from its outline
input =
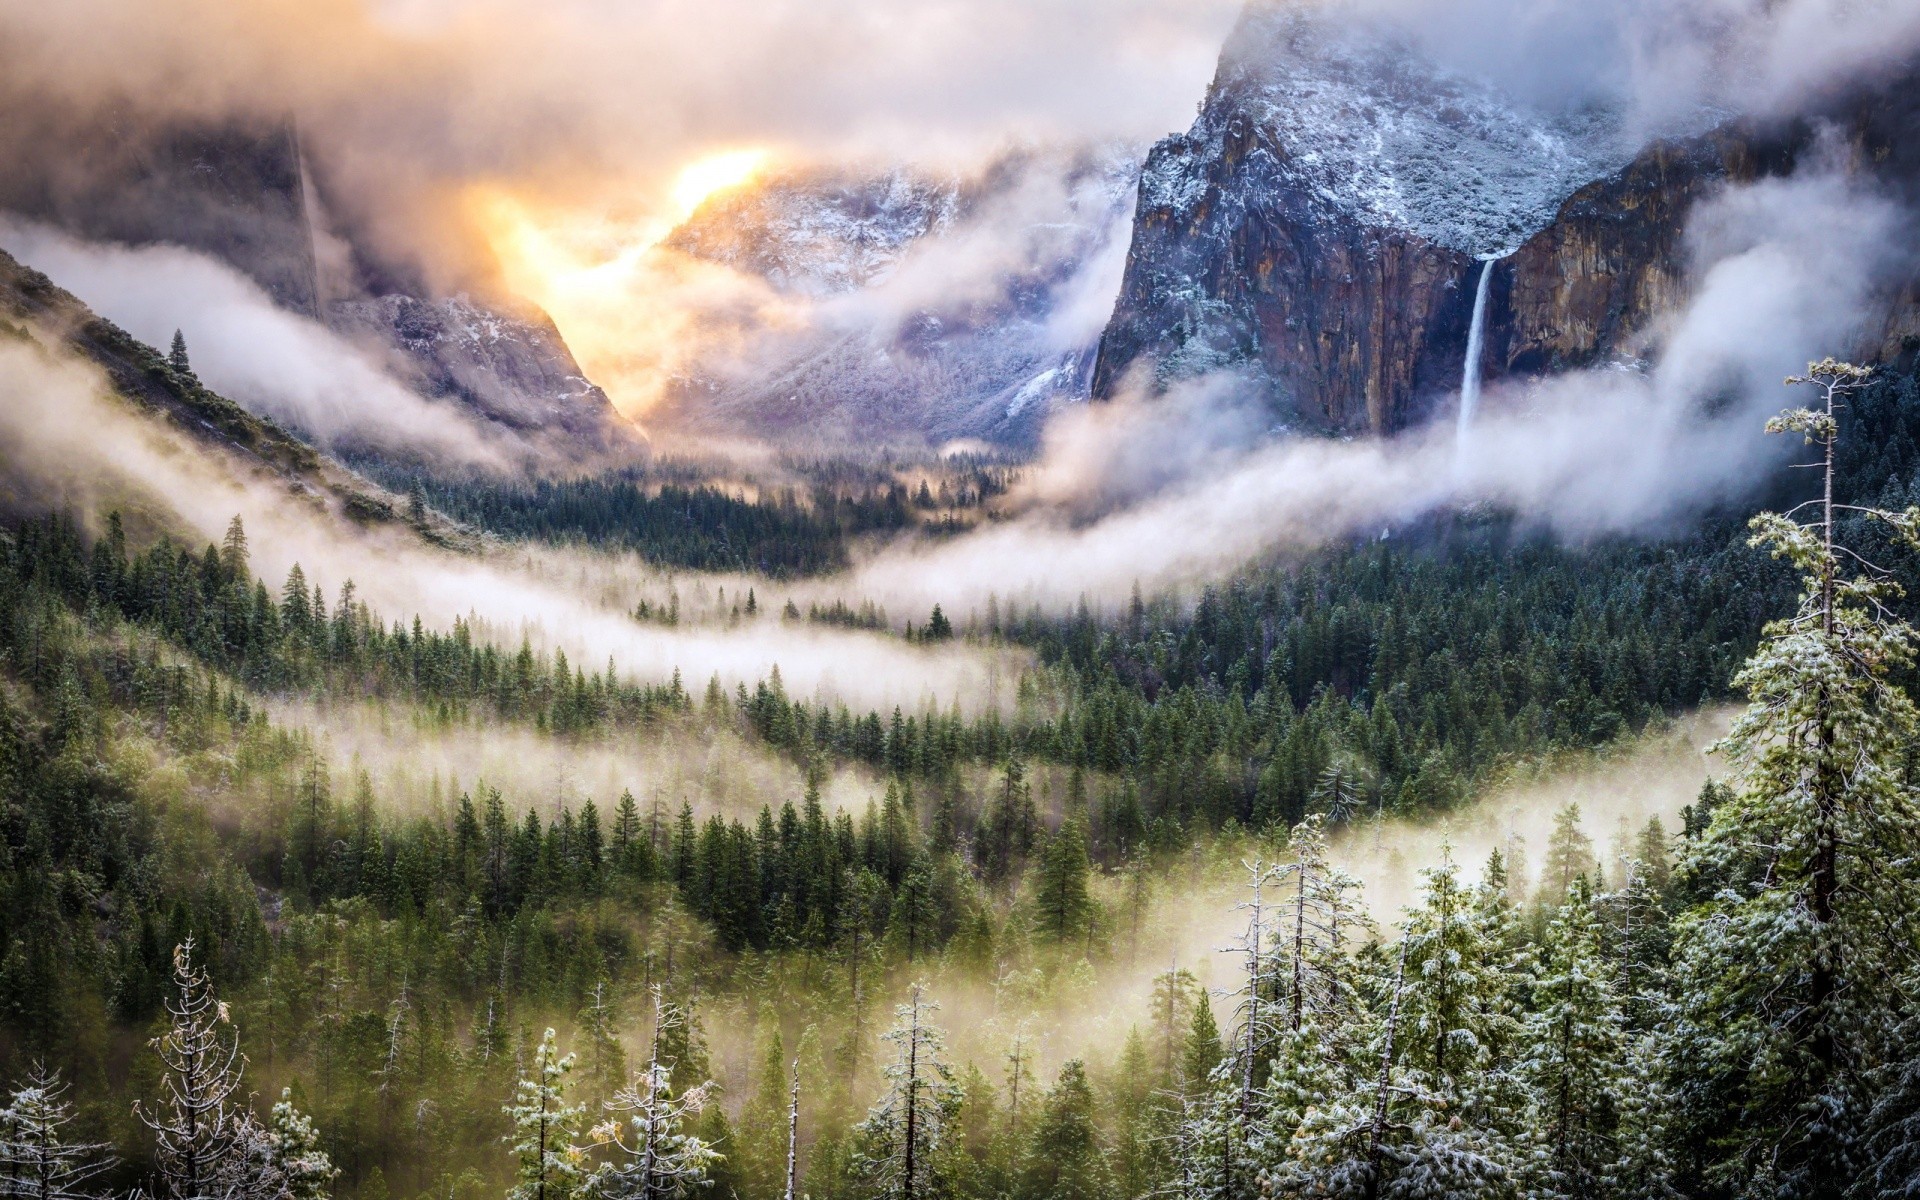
(865, 602)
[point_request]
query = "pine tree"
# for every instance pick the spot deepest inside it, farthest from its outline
(1136, 1163)
(177, 354)
(1574, 1056)
(1061, 900)
(1171, 1010)
(233, 553)
(1569, 856)
(1065, 1159)
(198, 1133)
(1202, 1051)
(1318, 916)
(287, 1160)
(37, 1160)
(1391, 1136)
(548, 1165)
(658, 1158)
(1783, 971)
(898, 1143)
(606, 1060)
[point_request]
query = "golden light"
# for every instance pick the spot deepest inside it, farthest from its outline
(716, 173)
(629, 310)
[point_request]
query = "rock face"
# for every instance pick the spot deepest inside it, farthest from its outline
(244, 195)
(913, 309)
(235, 192)
(515, 370)
(1322, 227)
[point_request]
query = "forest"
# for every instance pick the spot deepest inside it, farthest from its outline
(312, 988)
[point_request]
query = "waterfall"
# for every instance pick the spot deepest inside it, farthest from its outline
(1476, 335)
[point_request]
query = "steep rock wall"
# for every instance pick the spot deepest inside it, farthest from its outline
(1320, 229)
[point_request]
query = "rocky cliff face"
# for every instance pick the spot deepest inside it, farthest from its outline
(1322, 227)
(915, 309)
(244, 195)
(515, 370)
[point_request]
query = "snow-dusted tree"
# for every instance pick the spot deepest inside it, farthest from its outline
(1210, 1143)
(1256, 1016)
(1641, 1166)
(281, 1160)
(1316, 1006)
(1390, 1136)
(549, 1166)
(199, 1133)
(37, 1159)
(1455, 984)
(1784, 973)
(792, 1191)
(1318, 914)
(304, 1170)
(655, 1158)
(1574, 1054)
(1343, 790)
(900, 1139)
(1641, 937)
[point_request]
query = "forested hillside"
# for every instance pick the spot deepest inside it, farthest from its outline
(1721, 1006)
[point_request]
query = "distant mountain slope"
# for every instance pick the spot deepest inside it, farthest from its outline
(247, 196)
(1319, 228)
(921, 308)
(34, 308)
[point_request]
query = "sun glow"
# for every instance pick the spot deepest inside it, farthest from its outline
(716, 173)
(625, 304)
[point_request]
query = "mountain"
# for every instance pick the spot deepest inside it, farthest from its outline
(913, 307)
(1321, 227)
(245, 193)
(36, 310)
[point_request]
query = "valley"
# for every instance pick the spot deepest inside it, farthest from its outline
(898, 631)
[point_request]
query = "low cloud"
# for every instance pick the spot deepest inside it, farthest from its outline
(1158, 491)
(279, 364)
(71, 446)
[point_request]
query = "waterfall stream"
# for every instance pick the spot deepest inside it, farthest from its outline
(1476, 336)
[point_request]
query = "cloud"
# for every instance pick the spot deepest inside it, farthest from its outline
(281, 365)
(71, 446)
(1661, 63)
(404, 102)
(1164, 491)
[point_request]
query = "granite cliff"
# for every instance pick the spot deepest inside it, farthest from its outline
(1322, 227)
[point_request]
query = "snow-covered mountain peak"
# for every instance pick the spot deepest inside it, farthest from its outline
(1371, 129)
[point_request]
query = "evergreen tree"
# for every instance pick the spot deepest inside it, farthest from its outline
(548, 1165)
(1784, 968)
(285, 1159)
(1061, 901)
(898, 1143)
(177, 354)
(659, 1158)
(606, 1060)
(1065, 1159)
(199, 1135)
(37, 1158)
(1574, 1053)
(1202, 1052)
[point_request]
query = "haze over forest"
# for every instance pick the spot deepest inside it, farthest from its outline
(962, 600)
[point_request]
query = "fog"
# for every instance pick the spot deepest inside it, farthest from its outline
(274, 362)
(1163, 491)
(1650, 777)
(74, 448)
(1661, 65)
